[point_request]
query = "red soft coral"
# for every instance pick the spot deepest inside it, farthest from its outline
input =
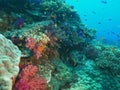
(29, 80)
(28, 71)
(37, 83)
(21, 85)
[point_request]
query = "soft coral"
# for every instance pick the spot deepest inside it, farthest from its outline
(29, 80)
(36, 47)
(53, 39)
(30, 43)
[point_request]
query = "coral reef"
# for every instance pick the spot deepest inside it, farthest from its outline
(109, 60)
(31, 37)
(9, 61)
(58, 51)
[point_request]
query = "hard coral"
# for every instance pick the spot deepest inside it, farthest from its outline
(29, 80)
(91, 52)
(9, 60)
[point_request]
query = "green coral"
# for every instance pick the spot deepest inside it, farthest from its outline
(62, 76)
(109, 59)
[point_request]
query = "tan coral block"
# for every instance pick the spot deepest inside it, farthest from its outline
(9, 60)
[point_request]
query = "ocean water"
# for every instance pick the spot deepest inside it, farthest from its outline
(103, 15)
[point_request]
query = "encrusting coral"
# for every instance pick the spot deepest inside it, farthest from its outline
(9, 60)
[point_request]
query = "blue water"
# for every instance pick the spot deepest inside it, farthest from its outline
(103, 15)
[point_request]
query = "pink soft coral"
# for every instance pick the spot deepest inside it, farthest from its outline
(30, 43)
(37, 51)
(29, 80)
(21, 85)
(36, 47)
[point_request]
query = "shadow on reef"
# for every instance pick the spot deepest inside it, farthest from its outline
(59, 52)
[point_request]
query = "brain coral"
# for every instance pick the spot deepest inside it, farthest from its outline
(9, 60)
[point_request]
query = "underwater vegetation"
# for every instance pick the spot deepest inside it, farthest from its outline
(45, 46)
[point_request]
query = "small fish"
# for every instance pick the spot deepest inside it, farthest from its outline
(118, 35)
(85, 15)
(99, 22)
(104, 1)
(110, 19)
(93, 12)
(113, 32)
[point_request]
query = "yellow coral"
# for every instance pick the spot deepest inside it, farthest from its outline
(45, 39)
